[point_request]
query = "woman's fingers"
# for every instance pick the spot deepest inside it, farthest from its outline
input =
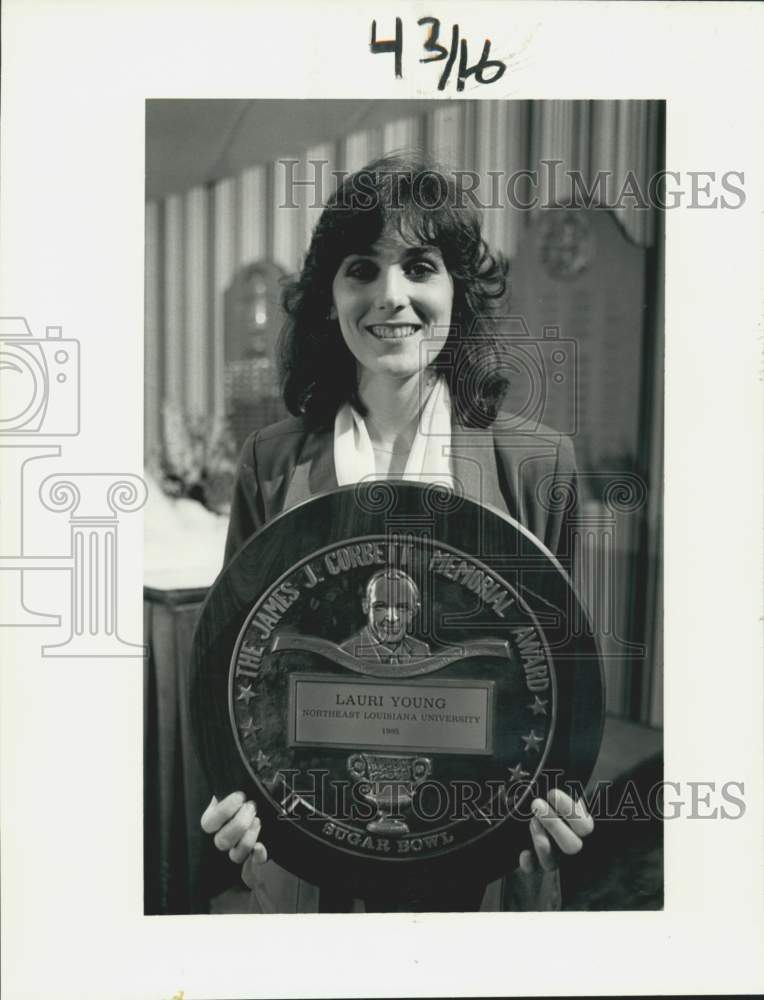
(236, 826)
(528, 863)
(542, 846)
(558, 824)
(557, 828)
(241, 851)
(229, 835)
(258, 856)
(573, 811)
(218, 813)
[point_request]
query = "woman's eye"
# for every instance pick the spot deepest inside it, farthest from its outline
(363, 270)
(421, 269)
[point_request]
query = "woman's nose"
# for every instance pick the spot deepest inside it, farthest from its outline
(391, 290)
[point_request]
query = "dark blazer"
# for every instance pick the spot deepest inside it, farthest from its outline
(521, 473)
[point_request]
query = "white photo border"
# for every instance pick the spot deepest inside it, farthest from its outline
(75, 80)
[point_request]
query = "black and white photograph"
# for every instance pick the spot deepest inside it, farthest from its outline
(380, 499)
(468, 298)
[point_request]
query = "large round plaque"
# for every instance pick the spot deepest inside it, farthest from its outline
(393, 672)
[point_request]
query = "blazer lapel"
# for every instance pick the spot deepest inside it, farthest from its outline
(474, 463)
(314, 469)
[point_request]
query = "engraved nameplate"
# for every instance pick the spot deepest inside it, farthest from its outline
(447, 717)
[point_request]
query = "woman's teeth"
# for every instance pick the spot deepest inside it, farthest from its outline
(385, 332)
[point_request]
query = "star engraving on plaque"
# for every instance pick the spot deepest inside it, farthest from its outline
(246, 694)
(262, 760)
(249, 728)
(517, 773)
(532, 742)
(538, 705)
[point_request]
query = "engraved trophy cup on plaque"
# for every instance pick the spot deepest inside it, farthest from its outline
(389, 783)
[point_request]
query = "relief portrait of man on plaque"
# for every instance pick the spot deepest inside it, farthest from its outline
(390, 605)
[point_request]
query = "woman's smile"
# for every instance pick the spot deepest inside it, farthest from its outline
(393, 331)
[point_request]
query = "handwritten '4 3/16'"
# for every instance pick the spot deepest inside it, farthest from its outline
(482, 69)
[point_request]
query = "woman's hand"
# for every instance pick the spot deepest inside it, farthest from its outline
(236, 827)
(558, 825)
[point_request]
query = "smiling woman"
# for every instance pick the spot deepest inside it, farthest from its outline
(391, 365)
(398, 267)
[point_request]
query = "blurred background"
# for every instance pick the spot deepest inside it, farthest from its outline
(227, 218)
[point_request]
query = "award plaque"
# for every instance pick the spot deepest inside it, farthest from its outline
(390, 670)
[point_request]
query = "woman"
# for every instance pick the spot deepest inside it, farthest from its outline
(392, 367)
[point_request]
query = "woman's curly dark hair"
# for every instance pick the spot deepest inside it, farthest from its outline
(423, 202)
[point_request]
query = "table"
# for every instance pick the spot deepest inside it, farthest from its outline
(182, 868)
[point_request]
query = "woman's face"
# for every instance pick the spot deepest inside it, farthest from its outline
(393, 305)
